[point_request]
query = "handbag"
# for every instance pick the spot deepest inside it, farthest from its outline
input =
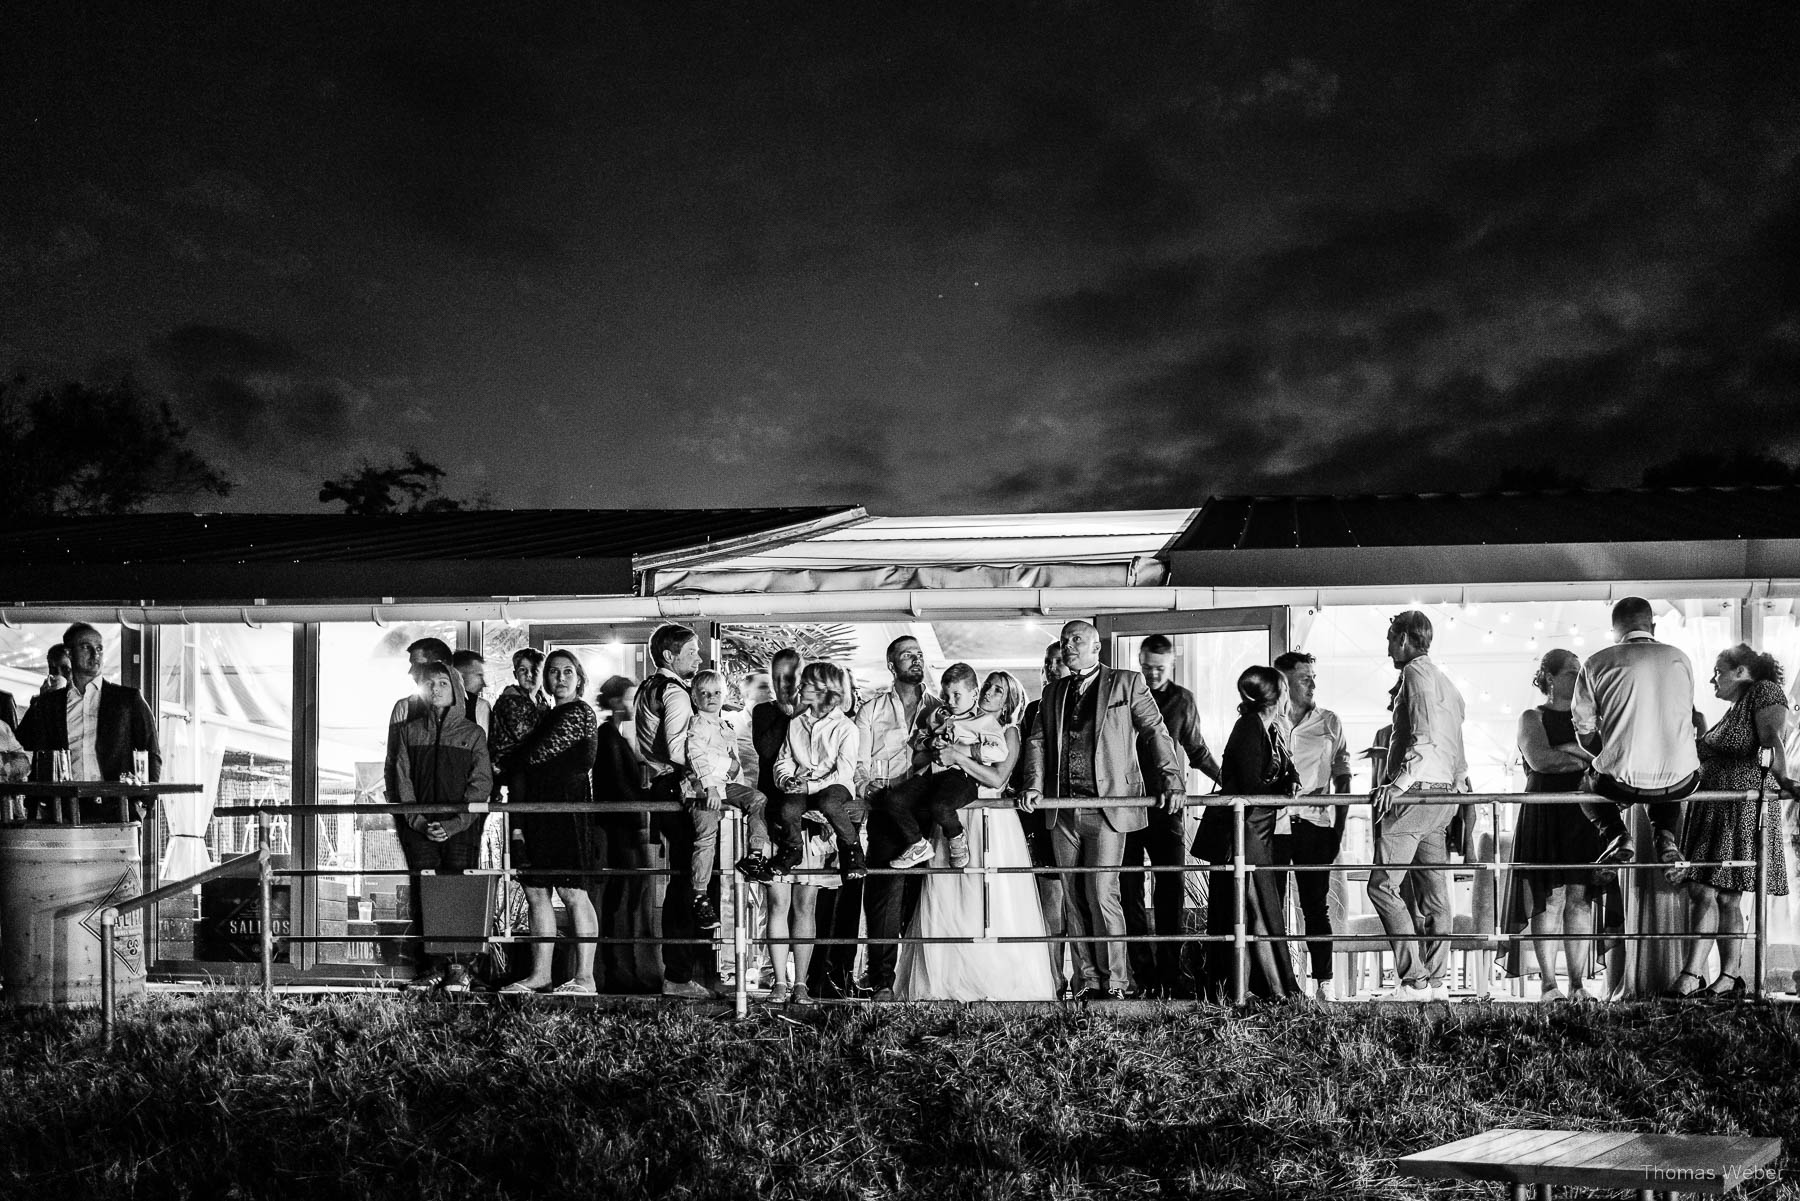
(1282, 778)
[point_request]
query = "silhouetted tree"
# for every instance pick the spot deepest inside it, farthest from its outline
(82, 449)
(410, 485)
(1707, 468)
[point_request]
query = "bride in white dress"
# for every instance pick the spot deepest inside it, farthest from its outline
(973, 905)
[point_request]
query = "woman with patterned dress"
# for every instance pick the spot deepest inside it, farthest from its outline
(1730, 756)
(557, 764)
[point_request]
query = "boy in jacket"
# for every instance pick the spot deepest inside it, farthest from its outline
(436, 755)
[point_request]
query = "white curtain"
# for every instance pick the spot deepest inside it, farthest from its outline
(188, 815)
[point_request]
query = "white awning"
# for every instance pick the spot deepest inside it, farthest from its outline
(1019, 550)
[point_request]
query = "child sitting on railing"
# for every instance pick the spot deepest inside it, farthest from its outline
(817, 768)
(716, 779)
(939, 790)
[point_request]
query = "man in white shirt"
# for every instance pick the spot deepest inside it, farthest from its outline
(1638, 695)
(885, 725)
(1425, 755)
(1322, 759)
(664, 708)
(103, 726)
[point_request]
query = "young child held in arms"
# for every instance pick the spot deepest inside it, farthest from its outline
(939, 789)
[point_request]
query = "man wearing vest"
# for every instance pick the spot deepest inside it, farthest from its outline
(664, 709)
(1085, 744)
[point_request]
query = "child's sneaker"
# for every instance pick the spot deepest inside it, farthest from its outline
(959, 851)
(756, 868)
(913, 855)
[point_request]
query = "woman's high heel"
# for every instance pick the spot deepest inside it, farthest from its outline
(1674, 993)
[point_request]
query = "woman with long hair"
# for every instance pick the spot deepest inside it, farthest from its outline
(1256, 762)
(557, 763)
(1730, 755)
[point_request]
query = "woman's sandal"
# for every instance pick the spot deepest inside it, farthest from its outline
(573, 988)
(1737, 992)
(1674, 993)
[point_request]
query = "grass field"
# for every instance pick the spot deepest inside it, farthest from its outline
(394, 1097)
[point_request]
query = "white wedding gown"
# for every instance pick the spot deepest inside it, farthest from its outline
(953, 905)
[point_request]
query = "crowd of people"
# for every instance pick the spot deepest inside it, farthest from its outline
(832, 783)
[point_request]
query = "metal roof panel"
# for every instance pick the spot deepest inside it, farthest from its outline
(1494, 518)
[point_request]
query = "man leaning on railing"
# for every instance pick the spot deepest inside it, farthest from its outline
(1425, 755)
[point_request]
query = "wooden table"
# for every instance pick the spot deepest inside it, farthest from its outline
(64, 793)
(1649, 1163)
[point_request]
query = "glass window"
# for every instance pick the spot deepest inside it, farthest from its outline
(225, 709)
(1491, 652)
(1208, 664)
(1015, 645)
(363, 671)
(22, 663)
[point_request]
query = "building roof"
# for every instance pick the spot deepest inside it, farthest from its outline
(497, 552)
(1037, 550)
(1569, 535)
(1493, 518)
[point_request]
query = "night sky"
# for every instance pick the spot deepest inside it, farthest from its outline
(927, 258)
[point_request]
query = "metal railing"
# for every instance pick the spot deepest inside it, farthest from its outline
(256, 862)
(1240, 871)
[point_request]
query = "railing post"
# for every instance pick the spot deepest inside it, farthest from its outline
(265, 877)
(506, 878)
(1759, 960)
(1240, 963)
(987, 880)
(109, 918)
(740, 933)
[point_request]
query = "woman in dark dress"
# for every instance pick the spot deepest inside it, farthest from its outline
(1256, 762)
(1554, 901)
(625, 904)
(1714, 830)
(557, 762)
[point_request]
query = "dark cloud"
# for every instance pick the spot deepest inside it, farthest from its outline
(257, 393)
(1015, 254)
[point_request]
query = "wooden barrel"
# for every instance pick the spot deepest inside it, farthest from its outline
(54, 883)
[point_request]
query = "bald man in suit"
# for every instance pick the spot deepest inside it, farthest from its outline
(1086, 741)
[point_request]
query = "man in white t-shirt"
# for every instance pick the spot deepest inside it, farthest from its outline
(1638, 695)
(1322, 758)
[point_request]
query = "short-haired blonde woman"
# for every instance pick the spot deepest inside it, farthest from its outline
(1730, 756)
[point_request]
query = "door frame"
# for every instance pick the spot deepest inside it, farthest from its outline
(1273, 618)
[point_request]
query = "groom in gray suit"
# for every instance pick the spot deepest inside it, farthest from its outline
(1085, 743)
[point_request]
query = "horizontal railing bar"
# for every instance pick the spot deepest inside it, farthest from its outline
(1464, 868)
(65, 789)
(230, 867)
(1207, 801)
(1358, 939)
